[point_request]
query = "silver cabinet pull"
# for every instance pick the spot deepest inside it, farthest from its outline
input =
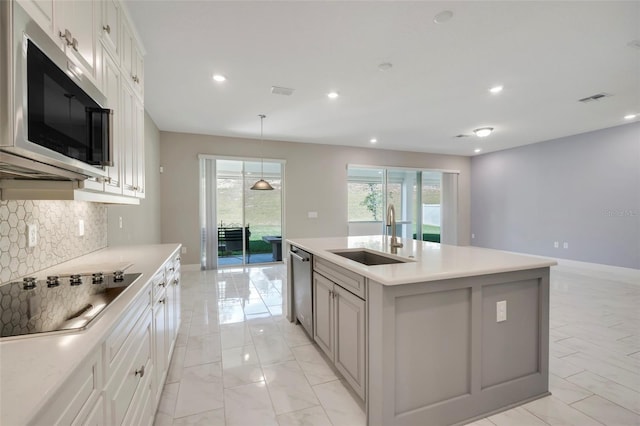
(140, 372)
(74, 44)
(106, 28)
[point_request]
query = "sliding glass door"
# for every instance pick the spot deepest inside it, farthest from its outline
(240, 225)
(422, 212)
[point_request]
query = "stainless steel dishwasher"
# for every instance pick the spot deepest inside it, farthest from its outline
(301, 270)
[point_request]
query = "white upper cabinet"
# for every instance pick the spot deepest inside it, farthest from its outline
(40, 11)
(131, 56)
(110, 28)
(111, 88)
(75, 25)
(98, 37)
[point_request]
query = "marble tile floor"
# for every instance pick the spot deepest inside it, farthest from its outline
(238, 361)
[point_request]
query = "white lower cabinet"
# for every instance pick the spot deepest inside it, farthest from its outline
(160, 334)
(121, 382)
(339, 329)
(131, 376)
(79, 400)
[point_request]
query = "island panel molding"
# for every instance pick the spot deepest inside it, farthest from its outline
(444, 350)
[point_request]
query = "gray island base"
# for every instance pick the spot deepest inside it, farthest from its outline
(449, 335)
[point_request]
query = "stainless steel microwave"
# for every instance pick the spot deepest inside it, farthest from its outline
(55, 125)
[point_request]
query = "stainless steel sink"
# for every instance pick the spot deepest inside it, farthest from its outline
(369, 258)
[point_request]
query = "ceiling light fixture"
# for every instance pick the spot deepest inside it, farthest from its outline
(496, 89)
(483, 132)
(373, 140)
(219, 78)
(630, 116)
(333, 95)
(477, 150)
(262, 185)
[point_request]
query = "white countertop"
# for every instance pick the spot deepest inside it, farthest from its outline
(425, 261)
(32, 369)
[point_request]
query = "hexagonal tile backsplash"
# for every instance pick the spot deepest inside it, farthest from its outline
(58, 240)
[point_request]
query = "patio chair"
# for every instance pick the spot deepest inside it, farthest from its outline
(230, 239)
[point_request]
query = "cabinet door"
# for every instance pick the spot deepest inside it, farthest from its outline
(111, 87)
(160, 336)
(129, 143)
(139, 163)
(96, 417)
(77, 398)
(77, 18)
(41, 11)
(130, 374)
(110, 28)
(350, 338)
(323, 313)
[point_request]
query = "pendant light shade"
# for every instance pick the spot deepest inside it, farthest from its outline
(262, 185)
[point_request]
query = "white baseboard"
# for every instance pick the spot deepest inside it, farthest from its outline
(627, 273)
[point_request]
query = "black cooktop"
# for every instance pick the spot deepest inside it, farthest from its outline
(59, 303)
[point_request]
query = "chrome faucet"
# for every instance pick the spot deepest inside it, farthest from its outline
(391, 221)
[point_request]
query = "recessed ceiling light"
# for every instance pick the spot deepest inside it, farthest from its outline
(332, 95)
(630, 116)
(443, 17)
(385, 66)
(483, 132)
(219, 78)
(496, 89)
(373, 140)
(477, 150)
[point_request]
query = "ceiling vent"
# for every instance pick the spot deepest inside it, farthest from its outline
(281, 91)
(635, 44)
(596, 97)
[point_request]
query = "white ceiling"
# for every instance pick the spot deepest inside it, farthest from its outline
(547, 54)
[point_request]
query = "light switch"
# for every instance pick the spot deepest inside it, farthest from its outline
(501, 311)
(81, 228)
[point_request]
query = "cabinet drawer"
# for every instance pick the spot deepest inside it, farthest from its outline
(341, 276)
(159, 285)
(114, 344)
(77, 398)
(133, 372)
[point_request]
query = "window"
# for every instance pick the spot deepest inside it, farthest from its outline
(415, 194)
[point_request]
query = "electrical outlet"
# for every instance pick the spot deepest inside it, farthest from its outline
(556, 244)
(32, 235)
(473, 236)
(183, 250)
(501, 311)
(565, 245)
(81, 228)
(312, 215)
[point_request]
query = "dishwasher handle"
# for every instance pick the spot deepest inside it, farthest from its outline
(297, 256)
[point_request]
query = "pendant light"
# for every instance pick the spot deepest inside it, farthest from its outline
(262, 185)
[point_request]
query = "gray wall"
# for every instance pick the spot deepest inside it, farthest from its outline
(315, 180)
(140, 224)
(582, 189)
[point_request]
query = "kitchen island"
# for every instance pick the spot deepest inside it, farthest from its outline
(446, 335)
